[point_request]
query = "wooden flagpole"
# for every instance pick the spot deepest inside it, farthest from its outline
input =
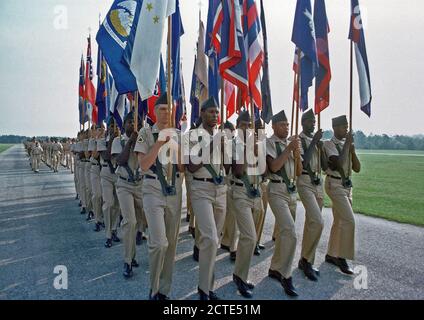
(293, 103)
(297, 109)
(136, 111)
(169, 96)
(350, 103)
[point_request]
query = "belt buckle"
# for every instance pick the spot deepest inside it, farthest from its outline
(218, 180)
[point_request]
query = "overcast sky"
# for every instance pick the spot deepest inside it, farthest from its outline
(39, 63)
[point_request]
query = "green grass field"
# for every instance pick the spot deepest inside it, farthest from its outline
(390, 185)
(4, 147)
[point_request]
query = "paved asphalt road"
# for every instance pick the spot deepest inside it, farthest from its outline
(40, 228)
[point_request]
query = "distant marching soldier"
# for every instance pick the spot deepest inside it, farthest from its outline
(36, 153)
(281, 155)
(208, 200)
(340, 152)
(96, 189)
(247, 203)
(162, 197)
(129, 190)
(108, 183)
(311, 193)
(72, 155)
(56, 152)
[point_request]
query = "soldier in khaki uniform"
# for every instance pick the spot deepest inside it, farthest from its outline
(74, 155)
(231, 232)
(56, 152)
(247, 203)
(87, 176)
(108, 180)
(281, 156)
(129, 190)
(95, 178)
(162, 197)
(36, 153)
(342, 158)
(208, 196)
(311, 193)
(81, 172)
(260, 217)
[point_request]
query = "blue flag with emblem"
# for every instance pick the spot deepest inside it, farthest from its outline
(303, 37)
(119, 25)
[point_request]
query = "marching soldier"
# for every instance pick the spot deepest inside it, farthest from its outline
(108, 183)
(56, 151)
(87, 167)
(281, 155)
(161, 197)
(311, 193)
(208, 199)
(247, 203)
(129, 190)
(95, 178)
(260, 217)
(36, 153)
(342, 158)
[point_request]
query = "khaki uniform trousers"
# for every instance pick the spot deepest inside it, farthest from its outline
(283, 206)
(55, 160)
(245, 211)
(312, 199)
(230, 237)
(110, 206)
(75, 172)
(88, 191)
(96, 191)
(260, 217)
(209, 206)
(342, 236)
(192, 222)
(81, 183)
(36, 158)
(130, 202)
(163, 214)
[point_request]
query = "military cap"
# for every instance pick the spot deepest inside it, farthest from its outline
(163, 99)
(243, 116)
(339, 121)
(228, 125)
(209, 103)
(308, 115)
(129, 116)
(281, 116)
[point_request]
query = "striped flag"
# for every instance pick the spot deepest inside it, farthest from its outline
(90, 90)
(356, 35)
(81, 104)
(233, 56)
(229, 98)
(253, 39)
(323, 76)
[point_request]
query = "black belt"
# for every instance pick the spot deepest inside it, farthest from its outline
(334, 177)
(96, 164)
(148, 176)
(238, 184)
(276, 181)
(204, 179)
(85, 160)
(105, 165)
(129, 180)
(305, 172)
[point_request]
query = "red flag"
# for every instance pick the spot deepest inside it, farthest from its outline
(230, 98)
(90, 90)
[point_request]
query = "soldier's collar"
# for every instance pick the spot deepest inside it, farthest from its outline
(337, 141)
(277, 139)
